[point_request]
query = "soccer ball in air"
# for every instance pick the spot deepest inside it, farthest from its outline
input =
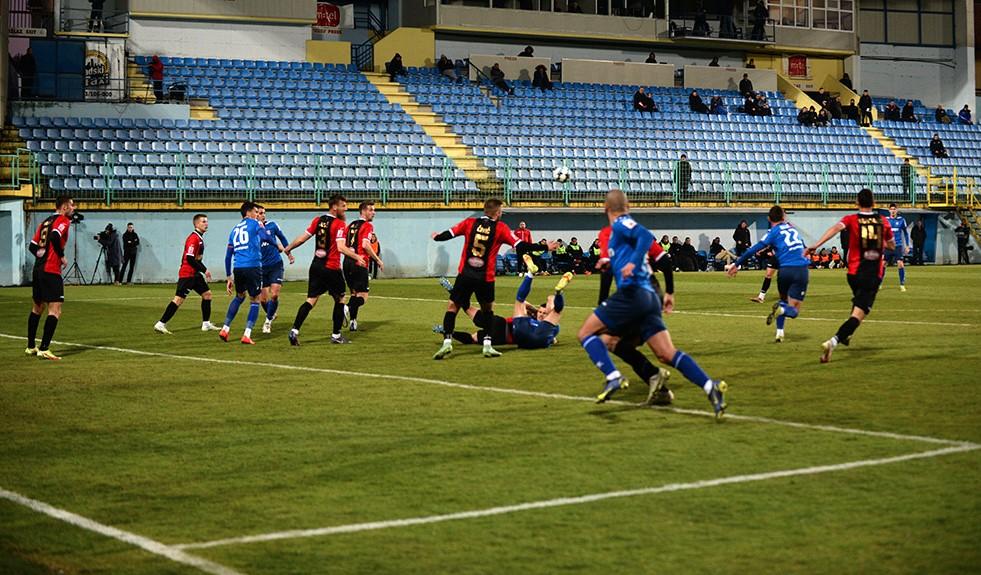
(561, 174)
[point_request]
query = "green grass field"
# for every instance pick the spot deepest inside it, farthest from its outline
(863, 465)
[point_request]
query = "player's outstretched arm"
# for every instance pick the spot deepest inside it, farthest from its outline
(830, 233)
(442, 236)
(299, 241)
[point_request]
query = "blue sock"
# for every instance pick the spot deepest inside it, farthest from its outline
(253, 315)
(559, 302)
(273, 306)
(688, 368)
(902, 276)
(789, 310)
(596, 349)
(233, 309)
(780, 321)
(524, 289)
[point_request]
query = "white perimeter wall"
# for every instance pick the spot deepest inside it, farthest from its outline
(218, 40)
(932, 75)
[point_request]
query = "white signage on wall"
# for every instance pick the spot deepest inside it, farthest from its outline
(105, 70)
(331, 18)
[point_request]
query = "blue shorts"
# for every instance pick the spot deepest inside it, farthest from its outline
(248, 280)
(892, 256)
(792, 282)
(632, 310)
(272, 275)
(529, 333)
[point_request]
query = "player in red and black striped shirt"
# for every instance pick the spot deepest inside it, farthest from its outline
(869, 236)
(359, 234)
(483, 237)
(48, 248)
(192, 276)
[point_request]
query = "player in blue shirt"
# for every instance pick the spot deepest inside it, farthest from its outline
(636, 308)
(272, 267)
(245, 247)
(900, 232)
(792, 277)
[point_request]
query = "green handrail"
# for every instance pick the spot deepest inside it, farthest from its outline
(446, 181)
(777, 182)
(181, 178)
(824, 184)
(318, 181)
(727, 183)
(386, 180)
(108, 172)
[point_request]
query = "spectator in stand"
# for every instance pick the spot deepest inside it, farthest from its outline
(745, 86)
(643, 102)
(751, 63)
(823, 118)
(695, 103)
(749, 105)
(937, 147)
(965, 115)
(963, 235)
(846, 81)
(684, 174)
(27, 67)
(917, 237)
(807, 116)
(651, 58)
(834, 108)
(718, 106)
(576, 253)
(892, 112)
(727, 25)
(836, 262)
(909, 113)
(851, 111)
(528, 52)
(541, 79)
(157, 76)
(497, 76)
(715, 62)
(763, 106)
(447, 68)
(742, 238)
(395, 68)
(720, 254)
(760, 15)
(701, 27)
(131, 245)
(940, 115)
(865, 108)
(821, 98)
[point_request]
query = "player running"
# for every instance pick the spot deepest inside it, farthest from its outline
(636, 307)
(48, 288)
(483, 238)
(900, 234)
(793, 276)
(245, 248)
(192, 275)
(772, 265)
(272, 267)
(359, 234)
(869, 235)
(326, 275)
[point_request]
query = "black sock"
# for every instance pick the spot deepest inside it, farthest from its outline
(355, 304)
(301, 315)
(449, 323)
(33, 321)
(206, 310)
(169, 312)
(49, 330)
(847, 329)
(464, 337)
(338, 317)
(630, 354)
(265, 306)
(766, 284)
(482, 319)
(606, 282)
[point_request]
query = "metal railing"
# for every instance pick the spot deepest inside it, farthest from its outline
(19, 169)
(93, 21)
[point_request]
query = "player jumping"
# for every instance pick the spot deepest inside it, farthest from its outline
(48, 248)
(635, 306)
(326, 275)
(793, 276)
(900, 234)
(272, 267)
(193, 275)
(245, 248)
(869, 235)
(359, 234)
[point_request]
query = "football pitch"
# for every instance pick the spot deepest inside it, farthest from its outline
(146, 453)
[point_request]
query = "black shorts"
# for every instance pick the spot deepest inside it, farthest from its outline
(356, 276)
(772, 262)
(498, 332)
(465, 287)
(47, 287)
(323, 280)
(864, 286)
(195, 282)
(248, 280)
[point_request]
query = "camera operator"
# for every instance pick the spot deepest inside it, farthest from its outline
(109, 240)
(131, 244)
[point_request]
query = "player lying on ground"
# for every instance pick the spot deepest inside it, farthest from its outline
(636, 307)
(193, 275)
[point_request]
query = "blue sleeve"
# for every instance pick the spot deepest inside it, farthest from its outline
(643, 239)
(282, 237)
(753, 249)
(229, 251)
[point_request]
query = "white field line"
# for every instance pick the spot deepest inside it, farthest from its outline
(155, 547)
(504, 390)
(566, 501)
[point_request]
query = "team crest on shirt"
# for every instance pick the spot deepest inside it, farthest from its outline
(475, 262)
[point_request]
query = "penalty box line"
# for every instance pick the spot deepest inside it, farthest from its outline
(518, 392)
(568, 501)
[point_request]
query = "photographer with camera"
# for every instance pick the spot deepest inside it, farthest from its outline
(109, 240)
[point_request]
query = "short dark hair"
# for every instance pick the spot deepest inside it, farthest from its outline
(776, 214)
(260, 206)
(198, 217)
(335, 199)
(363, 205)
(129, 223)
(246, 207)
(62, 200)
(865, 198)
(892, 205)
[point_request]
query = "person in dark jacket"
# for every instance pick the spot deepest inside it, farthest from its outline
(749, 105)
(541, 79)
(395, 68)
(965, 115)
(937, 147)
(892, 112)
(865, 108)
(96, 22)
(742, 238)
(695, 103)
(715, 62)
(940, 115)
(834, 108)
(745, 86)
(447, 68)
(109, 240)
(131, 245)
(963, 235)
(909, 113)
(157, 77)
(643, 102)
(760, 15)
(906, 176)
(846, 81)
(651, 58)
(918, 238)
(684, 174)
(687, 257)
(851, 111)
(528, 52)
(718, 106)
(497, 76)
